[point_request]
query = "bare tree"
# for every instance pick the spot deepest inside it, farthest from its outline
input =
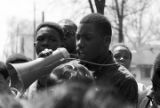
(122, 9)
(91, 6)
(119, 8)
(100, 5)
(137, 30)
(17, 31)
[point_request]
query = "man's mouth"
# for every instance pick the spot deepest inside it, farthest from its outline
(81, 53)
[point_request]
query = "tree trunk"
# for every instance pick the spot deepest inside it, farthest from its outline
(91, 6)
(100, 4)
(121, 37)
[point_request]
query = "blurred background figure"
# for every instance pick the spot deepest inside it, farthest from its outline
(70, 29)
(122, 55)
(66, 95)
(105, 97)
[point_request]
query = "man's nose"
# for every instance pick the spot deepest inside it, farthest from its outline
(121, 59)
(45, 41)
(80, 43)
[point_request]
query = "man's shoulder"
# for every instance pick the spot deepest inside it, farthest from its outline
(123, 76)
(146, 97)
(124, 71)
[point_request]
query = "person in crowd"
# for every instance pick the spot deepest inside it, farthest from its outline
(93, 41)
(69, 28)
(49, 37)
(92, 44)
(122, 55)
(152, 99)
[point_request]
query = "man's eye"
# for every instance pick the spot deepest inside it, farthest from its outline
(117, 56)
(52, 39)
(40, 39)
(126, 57)
(87, 38)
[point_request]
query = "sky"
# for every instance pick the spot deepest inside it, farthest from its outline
(24, 9)
(9, 8)
(54, 11)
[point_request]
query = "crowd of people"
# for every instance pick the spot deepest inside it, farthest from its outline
(75, 68)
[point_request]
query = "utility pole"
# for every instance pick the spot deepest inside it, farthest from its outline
(43, 16)
(34, 28)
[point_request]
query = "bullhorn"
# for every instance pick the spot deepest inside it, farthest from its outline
(24, 74)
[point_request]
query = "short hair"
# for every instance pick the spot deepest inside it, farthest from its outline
(102, 23)
(51, 25)
(155, 77)
(68, 23)
(70, 72)
(124, 46)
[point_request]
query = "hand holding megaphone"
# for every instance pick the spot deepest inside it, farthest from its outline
(45, 53)
(24, 74)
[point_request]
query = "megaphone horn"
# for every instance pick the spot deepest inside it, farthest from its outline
(24, 74)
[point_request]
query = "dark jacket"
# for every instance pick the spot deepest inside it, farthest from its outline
(117, 75)
(108, 72)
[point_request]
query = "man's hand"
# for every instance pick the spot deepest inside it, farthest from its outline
(45, 53)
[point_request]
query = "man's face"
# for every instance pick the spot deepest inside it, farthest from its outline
(89, 43)
(122, 56)
(47, 38)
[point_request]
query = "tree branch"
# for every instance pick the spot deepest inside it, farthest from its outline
(100, 4)
(117, 8)
(91, 6)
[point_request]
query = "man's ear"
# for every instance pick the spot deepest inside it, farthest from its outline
(106, 41)
(35, 43)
